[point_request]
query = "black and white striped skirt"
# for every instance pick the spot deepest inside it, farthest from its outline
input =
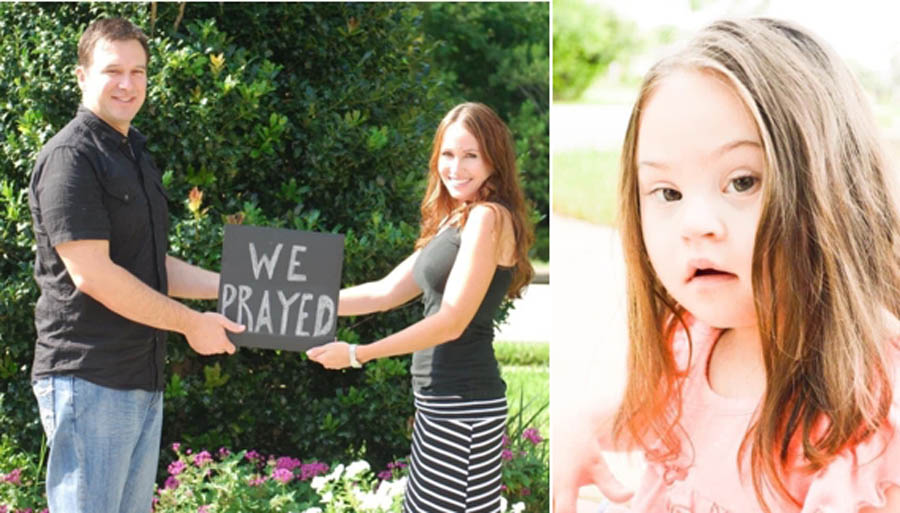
(455, 463)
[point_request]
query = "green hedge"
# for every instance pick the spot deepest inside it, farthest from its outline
(306, 116)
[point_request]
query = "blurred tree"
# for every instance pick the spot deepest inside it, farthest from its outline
(586, 39)
(498, 54)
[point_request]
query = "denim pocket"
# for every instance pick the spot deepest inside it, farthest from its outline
(43, 392)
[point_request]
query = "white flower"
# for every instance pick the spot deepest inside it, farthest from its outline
(313, 510)
(336, 473)
(327, 497)
(518, 507)
(397, 487)
(502, 504)
(356, 468)
(318, 483)
(375, 502)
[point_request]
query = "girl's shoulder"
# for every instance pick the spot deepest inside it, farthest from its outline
(860, 477)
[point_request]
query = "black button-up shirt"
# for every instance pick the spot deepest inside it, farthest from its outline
(91, 182)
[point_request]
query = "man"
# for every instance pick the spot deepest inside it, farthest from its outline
(100, 219)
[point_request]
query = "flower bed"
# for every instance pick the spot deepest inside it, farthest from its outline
(247, 482)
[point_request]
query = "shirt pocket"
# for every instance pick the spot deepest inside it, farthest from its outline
(126, 205)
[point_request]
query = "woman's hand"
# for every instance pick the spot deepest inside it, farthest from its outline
(334, 355)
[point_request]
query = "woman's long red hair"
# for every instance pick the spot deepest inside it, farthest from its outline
(501, 187)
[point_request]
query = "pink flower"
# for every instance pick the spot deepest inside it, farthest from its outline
(505, 440)
(384, 475)
(171, 483)
(3, 508)
(256, 481)
(223, 453)
(287, 463)
(533, 436)
(311, 470)
(525, 492)
(506, 455)
(282, 475)
(252, 455)
(503, 488)
(14, 477)
(203, 509)
(202, 458)
(176, 467)
(176, 446)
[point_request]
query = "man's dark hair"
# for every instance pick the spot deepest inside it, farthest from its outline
(112, 29)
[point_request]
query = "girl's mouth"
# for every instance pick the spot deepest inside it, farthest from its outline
(708, 273)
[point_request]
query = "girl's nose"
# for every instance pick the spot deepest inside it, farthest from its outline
(701, 219)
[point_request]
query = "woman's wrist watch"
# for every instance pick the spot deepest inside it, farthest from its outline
(354, 362)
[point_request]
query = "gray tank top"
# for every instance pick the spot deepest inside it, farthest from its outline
(465, 367)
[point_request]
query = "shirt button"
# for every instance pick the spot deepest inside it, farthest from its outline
(127, 197)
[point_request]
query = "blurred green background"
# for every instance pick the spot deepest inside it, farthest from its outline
(602, 49)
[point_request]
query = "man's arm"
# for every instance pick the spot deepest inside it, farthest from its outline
(92, 271)
(188, 281)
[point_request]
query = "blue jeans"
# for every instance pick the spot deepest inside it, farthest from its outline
(104, 445)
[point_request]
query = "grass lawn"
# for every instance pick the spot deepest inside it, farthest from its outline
(526, 369)
(584, 184)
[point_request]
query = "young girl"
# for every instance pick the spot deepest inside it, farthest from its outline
(472, 251)
(760, 229)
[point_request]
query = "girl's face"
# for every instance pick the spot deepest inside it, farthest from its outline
(461, 164)
(700, 163)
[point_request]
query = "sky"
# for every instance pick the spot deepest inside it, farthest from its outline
(862, 31)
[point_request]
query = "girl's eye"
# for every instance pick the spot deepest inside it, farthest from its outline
(743, 183)
(667, 194)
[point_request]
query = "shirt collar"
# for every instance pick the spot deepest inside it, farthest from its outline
(109, 133)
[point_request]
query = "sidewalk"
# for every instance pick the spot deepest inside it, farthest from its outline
(589, 333)
(530, 320)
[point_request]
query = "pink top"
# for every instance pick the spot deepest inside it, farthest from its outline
(705, 478)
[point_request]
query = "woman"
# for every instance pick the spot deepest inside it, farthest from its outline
(472, 251)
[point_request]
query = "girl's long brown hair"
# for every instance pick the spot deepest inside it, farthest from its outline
(826, 258)
(501, 187)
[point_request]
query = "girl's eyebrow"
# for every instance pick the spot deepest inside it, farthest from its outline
(725, 148)
(718, 152)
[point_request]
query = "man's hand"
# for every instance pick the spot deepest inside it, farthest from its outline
(207, 335)
(335, 355)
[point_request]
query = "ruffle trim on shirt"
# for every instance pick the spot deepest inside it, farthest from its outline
(860, 478)
(851, 483)
(876, 497)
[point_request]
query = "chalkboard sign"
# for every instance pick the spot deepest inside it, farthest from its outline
(282, 285)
